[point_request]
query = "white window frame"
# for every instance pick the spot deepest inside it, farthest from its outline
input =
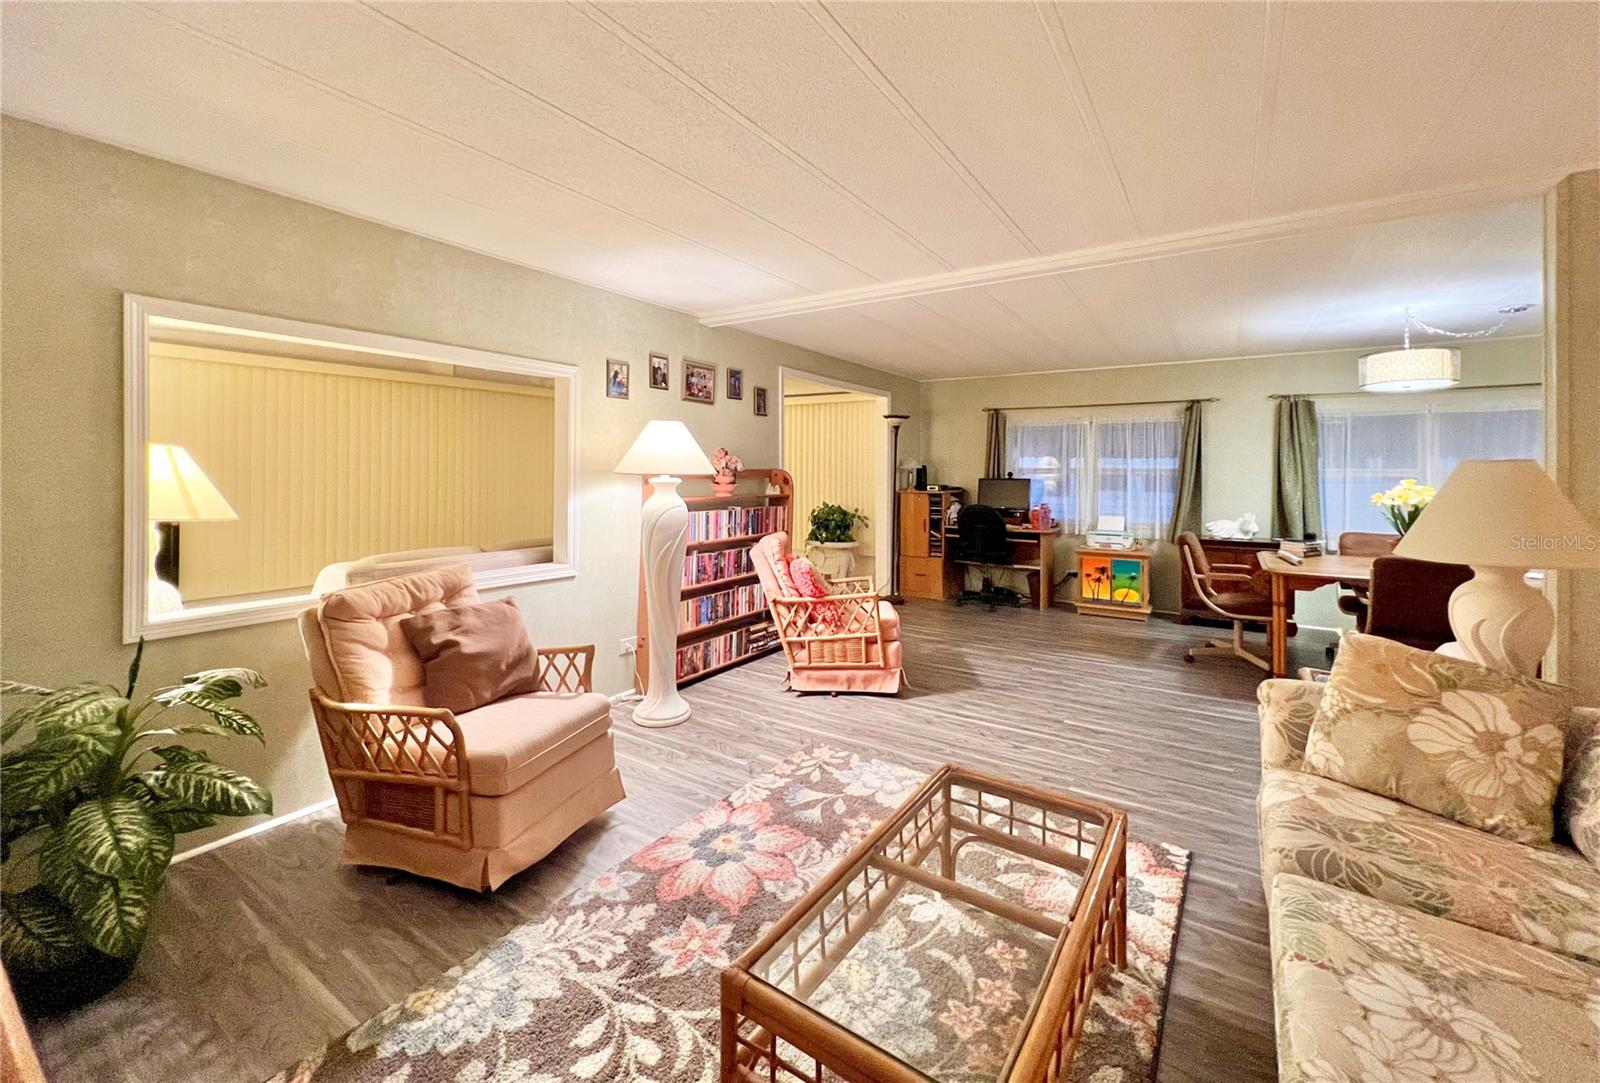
(138, 312)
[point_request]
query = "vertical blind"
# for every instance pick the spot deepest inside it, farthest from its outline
(837, 453)
(1367, 446)
(1086, 466)
(328, 462)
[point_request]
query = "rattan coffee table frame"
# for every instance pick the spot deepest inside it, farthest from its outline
(770, 1034)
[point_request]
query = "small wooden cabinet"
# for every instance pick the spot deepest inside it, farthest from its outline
(1228, 551)
(925, 568)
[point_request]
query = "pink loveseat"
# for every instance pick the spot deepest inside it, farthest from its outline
(846, 642)
(472, 798)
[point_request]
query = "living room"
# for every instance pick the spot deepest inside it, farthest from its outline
(348, 343)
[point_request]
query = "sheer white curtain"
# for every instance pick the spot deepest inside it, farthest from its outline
(1085, 465)
(1368, 446)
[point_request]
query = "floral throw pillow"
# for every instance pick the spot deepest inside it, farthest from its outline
(1481, 746)
(1580, 792)
(826, 616)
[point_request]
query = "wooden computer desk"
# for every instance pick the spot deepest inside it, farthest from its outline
(1288, 578)
(1032, 550)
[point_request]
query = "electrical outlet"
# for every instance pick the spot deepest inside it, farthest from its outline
(630, 645)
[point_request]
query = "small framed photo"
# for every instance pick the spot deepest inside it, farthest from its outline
(699, 382)
(761, 402)
(736, 383)
(659, 369)
(616, 379)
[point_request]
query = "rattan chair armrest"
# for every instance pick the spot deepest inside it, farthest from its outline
(566, 669)
(349, 727)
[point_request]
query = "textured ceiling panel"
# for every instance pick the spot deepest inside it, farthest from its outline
(1021, 186)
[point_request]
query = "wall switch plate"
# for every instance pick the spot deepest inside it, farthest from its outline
(630, 645)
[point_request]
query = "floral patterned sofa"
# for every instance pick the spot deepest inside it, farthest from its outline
(1407, 946)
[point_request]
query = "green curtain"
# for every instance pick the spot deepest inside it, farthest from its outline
(1186, 511)
(1297, 490)
(994, 462)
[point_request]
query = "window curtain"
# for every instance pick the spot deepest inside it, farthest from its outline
(1056, 458)
(1186, 511)
(1296, 498)
(994, 462)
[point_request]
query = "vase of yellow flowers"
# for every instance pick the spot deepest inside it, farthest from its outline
(1402, 504)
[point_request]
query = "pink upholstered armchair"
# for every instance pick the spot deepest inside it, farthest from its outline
(472, 798)
(846, 642)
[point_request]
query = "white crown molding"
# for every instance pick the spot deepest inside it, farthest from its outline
(1189, 242)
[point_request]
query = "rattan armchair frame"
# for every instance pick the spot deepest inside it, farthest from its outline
(404, 768)
(844, 648)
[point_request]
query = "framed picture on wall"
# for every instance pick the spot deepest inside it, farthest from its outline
(616, 379)
(761, 402)
(736, 383)
(659, 368)
(699, 381)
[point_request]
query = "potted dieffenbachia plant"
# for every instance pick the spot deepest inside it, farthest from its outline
(831, 544)
(94, 788)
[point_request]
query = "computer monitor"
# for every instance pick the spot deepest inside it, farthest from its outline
(1008, 494)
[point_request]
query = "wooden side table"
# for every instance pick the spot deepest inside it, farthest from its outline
(1114, 582)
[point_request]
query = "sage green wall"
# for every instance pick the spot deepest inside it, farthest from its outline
(1237, 446)
(83, 222)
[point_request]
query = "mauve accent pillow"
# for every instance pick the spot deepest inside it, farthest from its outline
(473, 654)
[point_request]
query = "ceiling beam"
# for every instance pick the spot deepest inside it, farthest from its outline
(1190, 242)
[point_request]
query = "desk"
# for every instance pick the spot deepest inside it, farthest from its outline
(1288, 578)
(1032, 550)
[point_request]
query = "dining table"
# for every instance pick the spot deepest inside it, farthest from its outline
(1288, 578)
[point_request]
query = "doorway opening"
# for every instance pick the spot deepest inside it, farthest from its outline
(836, 447)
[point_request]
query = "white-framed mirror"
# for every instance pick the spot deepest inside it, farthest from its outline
(268, 461)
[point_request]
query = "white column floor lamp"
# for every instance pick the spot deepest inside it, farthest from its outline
(662, 450)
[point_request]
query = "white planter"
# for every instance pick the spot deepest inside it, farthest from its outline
(833, 559)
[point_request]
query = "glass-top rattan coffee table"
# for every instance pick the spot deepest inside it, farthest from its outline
(959, 941)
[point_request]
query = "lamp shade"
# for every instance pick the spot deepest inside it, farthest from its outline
(1425, 368)
(1502, 513)
(180, 492)
(665, 447)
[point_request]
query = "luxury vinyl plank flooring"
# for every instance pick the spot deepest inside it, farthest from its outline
(265, 949)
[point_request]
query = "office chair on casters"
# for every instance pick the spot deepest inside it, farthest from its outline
(981, 540)
(1211, 583)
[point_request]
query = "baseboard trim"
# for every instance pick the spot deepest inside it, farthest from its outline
(254, 829)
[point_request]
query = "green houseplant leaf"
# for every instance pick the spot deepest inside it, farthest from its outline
(832, 523)
(37, 930)
(118, 837)
(208, 787)
(113, 915)
(82, 706)
(42, 772)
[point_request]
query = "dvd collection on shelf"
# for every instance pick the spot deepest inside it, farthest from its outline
(720, 606)
(702, 568)
(718, 650)
(733, 523)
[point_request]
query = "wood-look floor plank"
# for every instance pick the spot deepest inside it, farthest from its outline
(265, 949)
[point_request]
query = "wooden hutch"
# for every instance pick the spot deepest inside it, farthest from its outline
(925, 567)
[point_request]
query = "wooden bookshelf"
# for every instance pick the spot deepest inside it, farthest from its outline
(750, 493)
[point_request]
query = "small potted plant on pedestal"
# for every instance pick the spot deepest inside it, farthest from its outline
(831, 545)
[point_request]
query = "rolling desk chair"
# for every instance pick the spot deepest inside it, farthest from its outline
(981, 539)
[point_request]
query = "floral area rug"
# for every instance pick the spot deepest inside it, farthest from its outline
(621, 982)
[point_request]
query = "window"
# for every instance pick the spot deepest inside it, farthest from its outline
(1085, 465)
(268, 462)
(1367, 446)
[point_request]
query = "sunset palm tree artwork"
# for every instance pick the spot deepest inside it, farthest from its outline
(1127, 582)
(1094, 573)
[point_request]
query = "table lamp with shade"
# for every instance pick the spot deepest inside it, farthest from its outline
(664, 449)
(179, 492)
(1504, 517)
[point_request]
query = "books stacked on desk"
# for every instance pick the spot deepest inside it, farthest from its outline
(1299, 549)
